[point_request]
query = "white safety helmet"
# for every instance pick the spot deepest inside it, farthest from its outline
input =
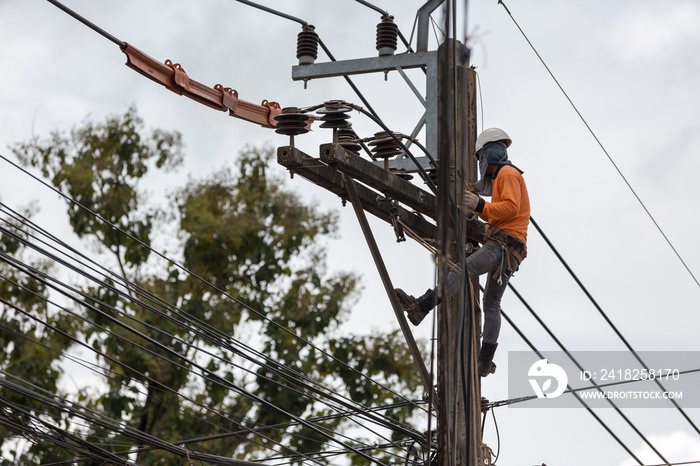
(492, 135)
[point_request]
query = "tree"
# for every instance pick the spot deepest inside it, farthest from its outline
(191, 350)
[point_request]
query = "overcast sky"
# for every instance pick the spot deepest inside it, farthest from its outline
(631, 67)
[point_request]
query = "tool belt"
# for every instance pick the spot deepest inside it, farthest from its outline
(514, 252)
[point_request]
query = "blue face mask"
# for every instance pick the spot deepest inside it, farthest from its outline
(494, 153)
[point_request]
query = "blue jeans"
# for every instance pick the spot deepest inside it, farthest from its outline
(486, 259)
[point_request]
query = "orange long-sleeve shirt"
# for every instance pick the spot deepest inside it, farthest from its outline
(509, 208)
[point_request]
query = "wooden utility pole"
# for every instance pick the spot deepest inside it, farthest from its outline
(450, 132)
(458, 381)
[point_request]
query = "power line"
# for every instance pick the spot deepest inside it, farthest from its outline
(563, 348)
(600, 144)
(590, 387)
(162, 386)
(89, 24)
(213, 377)
(184, 269)
(588, 408)
(275, 370)
(166, 349)
(605, 316)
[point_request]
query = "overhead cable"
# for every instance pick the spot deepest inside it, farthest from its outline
(277, 370)
(181, 267)
(89, 24)
(600, 144)
(607, 319)
(320, 42)
(588, 408)
(206, 373)
(249, 394)
(200, 328)
(566, 351)
(115, 360)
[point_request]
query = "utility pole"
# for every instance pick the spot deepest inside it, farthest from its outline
(459, 420)
(450, 127)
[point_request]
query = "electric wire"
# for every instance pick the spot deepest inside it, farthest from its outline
(605, 151)
(498, 436)
(588, 408)
(36, 393)
(184, 269)
(566, 351)
(320, 42)
(156, 354)
(247, 307)
(606, 318)
(131, 285)
(89, 24)
(162, 386)
(276, 426)
(590, 387)
(93, 367)
(421, 170)
(186, 343)
(215, 380)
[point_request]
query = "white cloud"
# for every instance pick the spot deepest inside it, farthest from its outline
(646, 34)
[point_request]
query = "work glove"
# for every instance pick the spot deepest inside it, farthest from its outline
(470, 201)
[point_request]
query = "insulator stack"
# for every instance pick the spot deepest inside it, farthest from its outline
(347, 138)
(291, 122)
(387, 36)
(335, 115)
(384, 146)
(432, 174)
(401, 173)
(307, 45)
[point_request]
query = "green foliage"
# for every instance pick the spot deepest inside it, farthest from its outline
(262, 249)
(99, 166)
(27, 352)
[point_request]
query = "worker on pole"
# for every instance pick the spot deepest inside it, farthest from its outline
(507, 217)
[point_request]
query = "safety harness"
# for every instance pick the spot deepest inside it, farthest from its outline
(513, 251)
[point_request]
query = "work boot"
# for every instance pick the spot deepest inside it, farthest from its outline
(416, 309)
(486, 365)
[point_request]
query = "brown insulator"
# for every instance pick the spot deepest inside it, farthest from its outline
(347, 138)
(401, 173)
(307, 45)
(387, 36)
(335, 115)
(432, 174)
(291, 122)
(384, 146)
